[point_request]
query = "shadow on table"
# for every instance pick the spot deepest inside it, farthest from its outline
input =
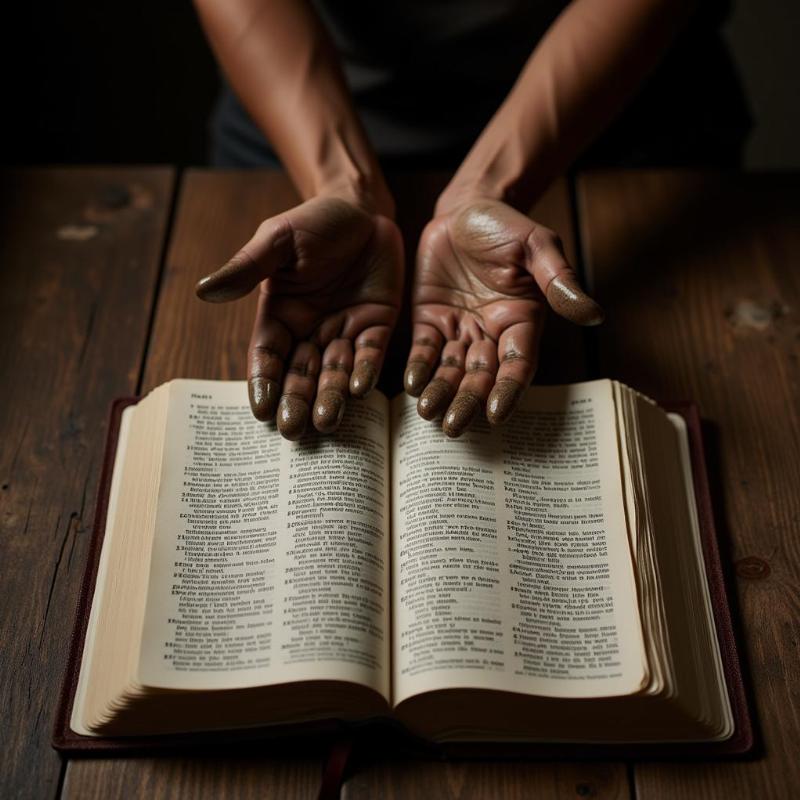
(716, 486)
(657, 224)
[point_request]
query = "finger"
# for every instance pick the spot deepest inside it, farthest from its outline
(425, 349)
(441, 390)
(298, 391)
(518, 352)
(269, 346)
(474, 388)
(271, 247)
(548, 266)
(337, 363)
(370, 351)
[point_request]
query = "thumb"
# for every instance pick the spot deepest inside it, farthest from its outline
(270, 248)
(557, 280)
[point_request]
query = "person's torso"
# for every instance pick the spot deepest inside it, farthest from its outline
(426, 75)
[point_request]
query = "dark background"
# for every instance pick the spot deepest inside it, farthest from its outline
(107, 81)
(134, 82)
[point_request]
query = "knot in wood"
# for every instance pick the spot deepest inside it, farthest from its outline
(752, 568)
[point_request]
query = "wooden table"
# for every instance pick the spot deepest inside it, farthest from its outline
(699, 275)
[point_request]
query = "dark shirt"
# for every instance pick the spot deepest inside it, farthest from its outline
(427, 75)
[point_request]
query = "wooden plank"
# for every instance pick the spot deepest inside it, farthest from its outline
(562, 360)
(563, 351)
(249, 778)
(699, 274)
(484, 780)
(217, 213)
(80, 250)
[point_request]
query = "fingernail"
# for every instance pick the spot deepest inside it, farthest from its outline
(328, 410)
(417, 374)
(229, 282)
(292, 416)
(503, 400)
(264, 395)
(462, 411)
(569, 300)
(435, 398)
(363, 379)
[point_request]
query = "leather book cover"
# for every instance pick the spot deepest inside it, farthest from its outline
(384, 735)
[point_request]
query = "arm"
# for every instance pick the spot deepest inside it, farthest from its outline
(330, 269)
(587, 66)
(485, 271)
(284, 69)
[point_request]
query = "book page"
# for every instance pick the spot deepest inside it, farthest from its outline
(102, 583)
(271, 558)
(512, 567)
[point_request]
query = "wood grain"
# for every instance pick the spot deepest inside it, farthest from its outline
(80, 250)
(217, 212)
(248, 778)
(483, 780)
(563, 352)
(699, 274)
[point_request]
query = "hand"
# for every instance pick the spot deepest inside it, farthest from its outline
(484, 276)
(331, 277)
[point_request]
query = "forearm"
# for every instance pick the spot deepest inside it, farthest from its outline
(586, 67)
(283, 67)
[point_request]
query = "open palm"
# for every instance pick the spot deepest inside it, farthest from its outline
(330, 278)
(484, 277)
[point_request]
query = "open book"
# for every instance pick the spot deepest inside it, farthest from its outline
(540, 582)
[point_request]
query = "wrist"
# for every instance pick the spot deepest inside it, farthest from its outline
(508, 168)
(369, 194)
(509, 187)
(460, 193)
(519, 194)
